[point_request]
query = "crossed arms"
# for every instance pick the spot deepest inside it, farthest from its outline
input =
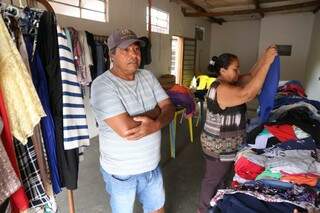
(134, 128)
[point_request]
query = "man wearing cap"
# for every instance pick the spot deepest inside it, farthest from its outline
(131, 108)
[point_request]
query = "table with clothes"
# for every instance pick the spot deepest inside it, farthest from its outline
(278, 170)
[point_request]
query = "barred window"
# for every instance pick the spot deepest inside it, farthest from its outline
(159, 20)
(96, 10)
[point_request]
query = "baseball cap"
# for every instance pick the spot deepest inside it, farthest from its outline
(122, 39)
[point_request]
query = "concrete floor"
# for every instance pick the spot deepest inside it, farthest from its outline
(182, 177)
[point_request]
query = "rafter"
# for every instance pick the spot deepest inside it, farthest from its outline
(201, 10)
(194, 6)
(219, 21)
(271, 1)
(264, 10)
(257, 5)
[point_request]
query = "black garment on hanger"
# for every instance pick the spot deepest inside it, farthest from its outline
(92, 44)
(101, 62)
(145, 52)
(68, 160)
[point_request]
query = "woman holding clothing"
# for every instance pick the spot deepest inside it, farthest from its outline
(224, 129)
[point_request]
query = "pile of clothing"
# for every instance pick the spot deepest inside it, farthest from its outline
(279, 169)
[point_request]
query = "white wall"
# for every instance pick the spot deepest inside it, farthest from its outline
(289, 29)
(312, 83)
(248, 39)
(132, 13)
(240, 38)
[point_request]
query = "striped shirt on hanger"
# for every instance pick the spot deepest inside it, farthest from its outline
(75, 128)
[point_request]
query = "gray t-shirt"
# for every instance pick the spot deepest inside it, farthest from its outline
(111, 96)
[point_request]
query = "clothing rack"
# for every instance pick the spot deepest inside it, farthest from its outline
(49, 8)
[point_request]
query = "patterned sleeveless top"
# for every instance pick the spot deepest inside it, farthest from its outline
(224, 130)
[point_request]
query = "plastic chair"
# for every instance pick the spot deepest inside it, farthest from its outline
(204, 82)
(172, 130)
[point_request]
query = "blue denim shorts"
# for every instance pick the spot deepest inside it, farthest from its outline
(123, 189)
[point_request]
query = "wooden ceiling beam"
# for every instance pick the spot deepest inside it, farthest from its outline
(219, 21)
(271, 1)
(201, 10)
(257, 5)
(194, 6)
(250, 11)
(316, 10)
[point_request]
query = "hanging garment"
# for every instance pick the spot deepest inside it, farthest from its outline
(37, 136)
(145, 52)
(93, 48)
(84, 76)
(47, 124)
(19, 198)
(9, 182)
(77, 49)
(42, 161)
(68, 160)
(69, 41)
(269, 90)
(29, 25)
(75, 128)
(23, 104)
(101, 63)
(30, 174)
(24, 53)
